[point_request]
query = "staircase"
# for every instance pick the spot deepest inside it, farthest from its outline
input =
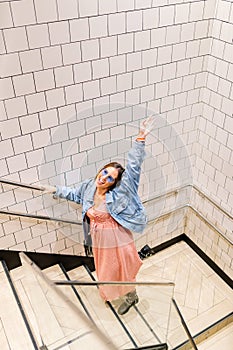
(37, 314)
(66, 317)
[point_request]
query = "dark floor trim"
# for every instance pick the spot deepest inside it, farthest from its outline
(209, 261)
(44, 260)
(168, 243)
(198, 251)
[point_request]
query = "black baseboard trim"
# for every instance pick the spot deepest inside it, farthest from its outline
(209, 261)
(203, 256)
(44, 260)
(168, 243)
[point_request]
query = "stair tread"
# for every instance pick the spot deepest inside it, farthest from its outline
(105, 318)
(50, 314)
(14, 334)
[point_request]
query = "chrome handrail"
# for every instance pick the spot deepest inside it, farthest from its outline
(167, 194)
(66, 221)
(20, 184)
(109, 283)
(41, 217)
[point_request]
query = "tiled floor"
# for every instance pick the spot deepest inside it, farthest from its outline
(202, 296)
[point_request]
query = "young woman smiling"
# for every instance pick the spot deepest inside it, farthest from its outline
(111, 209)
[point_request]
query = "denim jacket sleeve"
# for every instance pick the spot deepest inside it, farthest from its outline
(73, 194)
(123, 202)
(131, 176)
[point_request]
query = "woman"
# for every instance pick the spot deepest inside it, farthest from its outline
(111, 209)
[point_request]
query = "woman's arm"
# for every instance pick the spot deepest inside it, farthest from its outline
(74, 194)
(136, 156)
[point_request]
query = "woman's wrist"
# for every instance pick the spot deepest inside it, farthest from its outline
(140, 138)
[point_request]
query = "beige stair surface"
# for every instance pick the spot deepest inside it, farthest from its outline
(202, 296)
(56, 319)
(13, 331)
(102, 314)
(222, 340)
(56, 315)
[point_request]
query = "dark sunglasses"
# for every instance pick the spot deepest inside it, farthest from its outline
(110, 179)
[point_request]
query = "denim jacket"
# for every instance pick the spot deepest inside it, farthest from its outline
(123, 202)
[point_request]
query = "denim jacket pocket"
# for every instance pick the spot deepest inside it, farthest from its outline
(121, 205)
(125, 208)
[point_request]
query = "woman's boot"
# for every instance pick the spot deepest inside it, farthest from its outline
(131, 299)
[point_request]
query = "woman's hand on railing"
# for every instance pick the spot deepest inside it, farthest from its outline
(48, 189)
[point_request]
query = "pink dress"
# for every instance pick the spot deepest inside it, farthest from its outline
(115, 254)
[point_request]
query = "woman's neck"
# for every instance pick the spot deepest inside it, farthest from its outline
(100, 193)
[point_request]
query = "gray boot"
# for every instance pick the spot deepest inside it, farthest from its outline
(131, 299)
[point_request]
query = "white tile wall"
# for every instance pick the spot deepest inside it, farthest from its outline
(15, 107)
(51, 57)
(59, 33)
(88, 8)
(67, 10)
(71, 53)
(16, 39)
(24, 84)
(6, 19)
(36, 102)
(7, 90)
(69, 72)
(30, 60)
(23, 12)
(9, 65)
(46, 11)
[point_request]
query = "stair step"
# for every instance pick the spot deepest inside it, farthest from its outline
(59, 322)
(107, 321)
(221, 340)
(13, 331)
(202, 296)
(103, 317)
(37, 306)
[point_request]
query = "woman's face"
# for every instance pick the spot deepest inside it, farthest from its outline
(106, 177)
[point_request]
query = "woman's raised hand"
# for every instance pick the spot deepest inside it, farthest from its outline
(146, 126)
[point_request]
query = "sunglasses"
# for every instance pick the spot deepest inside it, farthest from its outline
(110, 179)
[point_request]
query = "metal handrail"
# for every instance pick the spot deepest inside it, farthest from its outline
(66, 221)
(108, 283)
(177, 189)
(167, 194)
(20, 184)
(42, 217)
(39, 217)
